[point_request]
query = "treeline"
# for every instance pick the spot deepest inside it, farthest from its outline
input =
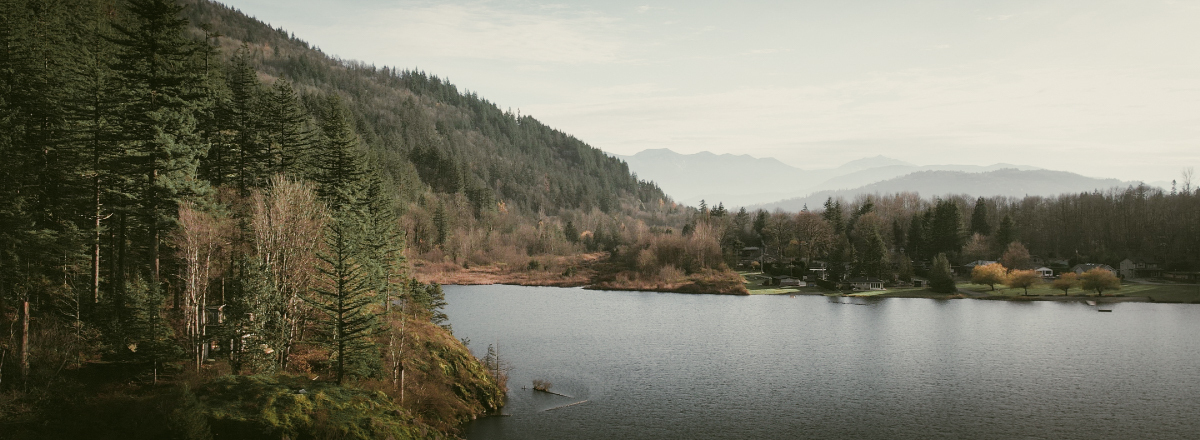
(160, 202)
(886, 236)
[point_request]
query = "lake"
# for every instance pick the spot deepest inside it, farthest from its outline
(662, 365)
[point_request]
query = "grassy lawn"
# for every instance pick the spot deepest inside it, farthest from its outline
(754, 282)
(1157, 292)
(1189, 293)
(1180, 293)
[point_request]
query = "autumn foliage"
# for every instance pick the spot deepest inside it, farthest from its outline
(1023, 279)
(990, 274)
(1099, 280)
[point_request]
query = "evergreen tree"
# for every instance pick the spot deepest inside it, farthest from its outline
(979, 222)
(872, 261)
(288, 131)
(570, 232)
(339, 170)
(248, 158)
(944, 230)
(1006, 233)
(345, 296)
(941, 279)
(916, 237)
(833, 215)
(841, 254)
(428, 301)
(441, 224)
(158, 98)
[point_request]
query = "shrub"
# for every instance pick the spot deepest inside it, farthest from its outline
(941, 280)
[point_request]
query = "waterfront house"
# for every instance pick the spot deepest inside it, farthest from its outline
(791, 281)
(1139, 269)
(750, 255)
(818, 270)
(864, 283)
(1081, 268)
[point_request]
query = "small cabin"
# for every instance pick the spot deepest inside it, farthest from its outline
(790, 281)
(1081, 268)
(863, 283)
(1045, 272)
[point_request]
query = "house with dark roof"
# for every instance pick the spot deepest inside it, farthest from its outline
(1139, 269)
(864, 283)
(1084, 267)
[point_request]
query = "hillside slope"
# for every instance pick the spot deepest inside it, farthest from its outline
(425, 133)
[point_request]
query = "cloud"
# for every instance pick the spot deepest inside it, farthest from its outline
(1044, 116)
(482, 31)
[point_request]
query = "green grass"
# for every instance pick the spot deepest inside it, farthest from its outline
(754, 282)
(1157, 292)
(1188, 293)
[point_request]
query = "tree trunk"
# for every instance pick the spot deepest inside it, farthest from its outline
(154, 269)
(25, 342)
(96, 241)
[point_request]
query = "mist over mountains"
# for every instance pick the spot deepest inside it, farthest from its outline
(744, 180)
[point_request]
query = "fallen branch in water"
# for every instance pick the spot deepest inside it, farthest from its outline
(564, 406)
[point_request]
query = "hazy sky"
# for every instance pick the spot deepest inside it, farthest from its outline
(1102, 88)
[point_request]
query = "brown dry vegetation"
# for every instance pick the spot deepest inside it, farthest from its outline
(653, 262)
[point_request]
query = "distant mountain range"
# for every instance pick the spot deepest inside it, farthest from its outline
(743, 180)
(1003, 182)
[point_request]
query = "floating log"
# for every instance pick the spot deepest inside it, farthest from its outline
(1110, 310)
(564, 406)
(554, 393)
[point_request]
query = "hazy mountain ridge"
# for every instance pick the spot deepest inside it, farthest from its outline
(1008, 182)
(744, 180)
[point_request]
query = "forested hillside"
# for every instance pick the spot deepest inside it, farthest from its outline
(188, 196)
(172, 221)
(427, 134)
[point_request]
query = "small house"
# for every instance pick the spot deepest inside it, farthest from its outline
(1045, 272)
(818, 270)
(967, 268)
(919, 282)
(864, 283)
(749, 255)
(1139, 269)
(791, 281)
(1081, 268)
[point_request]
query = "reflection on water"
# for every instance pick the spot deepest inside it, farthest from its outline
(654, 365)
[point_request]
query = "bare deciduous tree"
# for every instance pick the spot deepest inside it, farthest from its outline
(287, 222)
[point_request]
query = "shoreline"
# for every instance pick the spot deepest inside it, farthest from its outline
(490, 275)
(583, 272)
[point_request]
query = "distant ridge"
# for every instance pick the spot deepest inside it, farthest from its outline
(744, 180)
(1002, 182)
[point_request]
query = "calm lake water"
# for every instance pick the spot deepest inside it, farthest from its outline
(660, 365)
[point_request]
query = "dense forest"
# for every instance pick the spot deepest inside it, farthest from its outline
(180, 232)
(895, 236)
(196, 207)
